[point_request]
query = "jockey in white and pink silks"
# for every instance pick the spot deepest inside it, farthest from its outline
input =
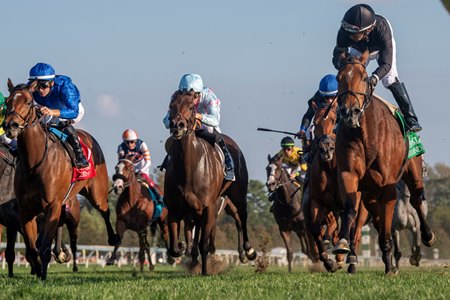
(133, 146)
(207, 107)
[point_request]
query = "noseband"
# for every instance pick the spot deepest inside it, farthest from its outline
(27, 118)
(126, 180)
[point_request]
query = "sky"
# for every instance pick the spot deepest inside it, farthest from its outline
(263, 59)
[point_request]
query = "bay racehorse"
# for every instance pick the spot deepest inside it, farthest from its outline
(322, 203)
(405, 217)
(194, 181)
(44, 173)
(372, 156)
(287, 208)
(135, 209)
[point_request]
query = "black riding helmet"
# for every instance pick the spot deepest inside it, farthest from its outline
(358, 18)
(287, 142)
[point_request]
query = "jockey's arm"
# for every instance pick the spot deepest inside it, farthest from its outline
(50, 112)
(146, 156)
(209, 108)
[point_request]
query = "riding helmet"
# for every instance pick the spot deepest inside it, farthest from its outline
(358, 18)
(129, 135)
(287, 142)
(42, 71)
(191, 81)
(328, 86)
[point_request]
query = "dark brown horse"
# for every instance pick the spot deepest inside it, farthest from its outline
(322, 203)
(372, 156)
(287, 208)
(44, 173)
(194, 181)
(135, 209)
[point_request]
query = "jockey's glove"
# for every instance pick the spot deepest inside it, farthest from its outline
(373, 81)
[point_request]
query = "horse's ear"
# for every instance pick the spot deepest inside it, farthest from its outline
(365, 57)
(10, 85)
(32, 86)
(314, 106)
(269, 158)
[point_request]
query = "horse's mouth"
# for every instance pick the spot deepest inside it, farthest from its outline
(327, 155)
(352, 123)
(12, 133)
(177, 134)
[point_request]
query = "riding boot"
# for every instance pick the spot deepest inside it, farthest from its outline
(72, 138)
(229, 165)
(404, 102)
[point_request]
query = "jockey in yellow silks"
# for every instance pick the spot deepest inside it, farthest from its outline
(292, 158)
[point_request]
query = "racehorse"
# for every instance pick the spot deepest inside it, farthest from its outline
(45, 169)
(405, 217)
(287, 208)
(372, 158)
(322, 203)
(135, 209)
(194, 180)
(9, 210)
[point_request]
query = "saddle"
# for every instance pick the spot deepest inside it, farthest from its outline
(415, 146)
(78, 174)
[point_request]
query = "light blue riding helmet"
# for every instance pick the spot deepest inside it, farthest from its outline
(191, 81)
(328, 86)
(42, 71)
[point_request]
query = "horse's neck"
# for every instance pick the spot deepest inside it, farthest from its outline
(133, 189)
(32, 144)
(287, 188)
(6, 182)
(187, 152)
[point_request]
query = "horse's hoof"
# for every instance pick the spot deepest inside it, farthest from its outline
(326, 245)
(243, 258)
(110, 262)
(182, 246)
(151, 267)
(170, 260)
(351, 269)
(75, 269)
(68, 257)
(330, 265)
(341, 247)
(413, 261)
(251, 254)
(393, 272)
(431, 242)
(352, 259)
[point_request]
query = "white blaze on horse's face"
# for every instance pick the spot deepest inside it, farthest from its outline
(119, 184)
(271, 179)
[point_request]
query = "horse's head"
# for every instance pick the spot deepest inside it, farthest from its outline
(124, 174)
(353, 92)
(182, 114)
(273, 170)
(324, 122)
(20, 108)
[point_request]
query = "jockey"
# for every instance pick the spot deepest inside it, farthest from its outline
(328, 89)
(292, 158)
(131, 145)
(208, 112)
(362, 29)
(11, 143)
(60, 103)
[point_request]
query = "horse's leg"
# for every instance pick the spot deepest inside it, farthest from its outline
(332, 232)
(356, 233)
(397, 248)
(57, 248)
(51, 220)
(413, 179)
(250, 253)
(173, 225)
(29, 226)
(73, 235)
(10, 256)
(387, 206)
(286, 235)
(208, 223)
(231, 210)
(314, 215)
(165, 236)
(348, 188)
(120, 229)
(416, 254)
(147, 250)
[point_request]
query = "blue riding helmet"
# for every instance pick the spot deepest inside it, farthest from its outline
(328, 86)
(42, 71)
(191, 81)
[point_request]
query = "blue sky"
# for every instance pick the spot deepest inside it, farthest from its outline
(263, 59)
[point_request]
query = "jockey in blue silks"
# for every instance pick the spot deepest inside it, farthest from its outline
(60, 103)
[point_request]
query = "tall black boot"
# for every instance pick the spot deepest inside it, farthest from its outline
(229, 165)
(401, 96)
(72, 138)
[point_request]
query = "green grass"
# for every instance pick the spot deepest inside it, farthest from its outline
(237, 283)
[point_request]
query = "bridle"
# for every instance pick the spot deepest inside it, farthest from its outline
(126, 180)
(367, 94)
(324, 117)
(191, 122)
